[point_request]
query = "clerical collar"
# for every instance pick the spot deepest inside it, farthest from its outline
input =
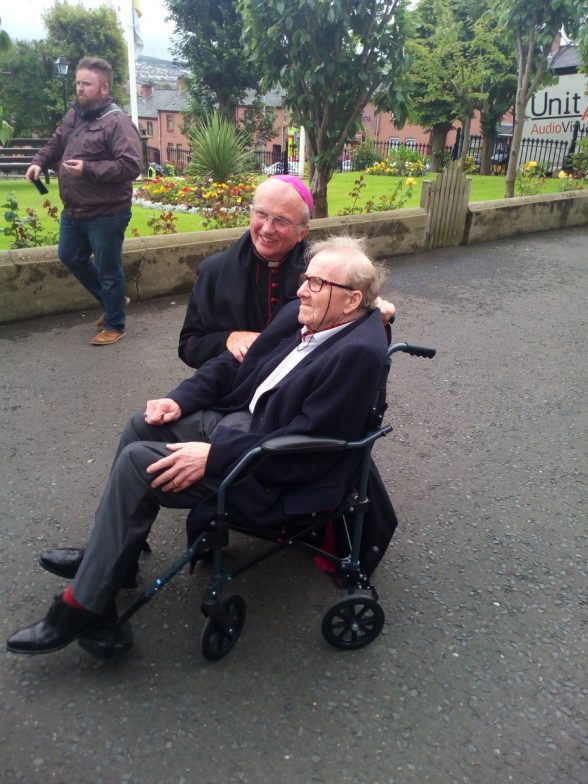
(266, 261)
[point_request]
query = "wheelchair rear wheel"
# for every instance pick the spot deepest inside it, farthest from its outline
(353, 622)
(215, 642)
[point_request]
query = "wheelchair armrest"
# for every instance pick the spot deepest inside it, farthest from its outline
(296, 444)
(413, 349)
(291, 445)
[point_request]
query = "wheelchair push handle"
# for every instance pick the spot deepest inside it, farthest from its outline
(413, 349)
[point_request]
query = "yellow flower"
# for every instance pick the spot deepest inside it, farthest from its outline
(531, 166)
(562, 175)
(410, 181)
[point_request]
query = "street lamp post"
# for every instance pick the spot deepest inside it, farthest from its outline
(62, 67)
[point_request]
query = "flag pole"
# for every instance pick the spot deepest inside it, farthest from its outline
(130, 36)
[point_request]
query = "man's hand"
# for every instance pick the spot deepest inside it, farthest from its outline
(238, 343)
(75, 167)
(388, 310)
(184, 467)
(33, 172)
(158, 412)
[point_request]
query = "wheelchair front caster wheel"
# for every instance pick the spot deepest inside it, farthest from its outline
(215, 642)
(353, 622)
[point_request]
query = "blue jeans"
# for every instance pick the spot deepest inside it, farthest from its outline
(103, 276)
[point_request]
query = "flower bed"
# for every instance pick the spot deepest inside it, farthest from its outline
(392, 168)
(221, 204)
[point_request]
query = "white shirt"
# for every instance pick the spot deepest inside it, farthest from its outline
(310, 341)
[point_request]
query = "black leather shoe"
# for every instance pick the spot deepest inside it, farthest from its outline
(62, 561)
(62, 624)
(65, 562)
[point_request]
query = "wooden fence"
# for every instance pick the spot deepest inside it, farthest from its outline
(446, 201)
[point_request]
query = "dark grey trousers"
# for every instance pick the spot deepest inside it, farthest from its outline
(129, 505)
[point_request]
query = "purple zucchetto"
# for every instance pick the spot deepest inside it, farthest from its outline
(298, 185)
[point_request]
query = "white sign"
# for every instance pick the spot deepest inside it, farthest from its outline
(553, 112)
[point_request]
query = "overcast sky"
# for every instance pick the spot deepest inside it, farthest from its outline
(22, 21)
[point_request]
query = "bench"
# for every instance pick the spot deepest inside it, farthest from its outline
(16, 158)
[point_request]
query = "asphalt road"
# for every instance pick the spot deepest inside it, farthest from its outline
(480, 674)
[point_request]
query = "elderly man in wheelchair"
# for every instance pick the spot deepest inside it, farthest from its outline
(256, 445)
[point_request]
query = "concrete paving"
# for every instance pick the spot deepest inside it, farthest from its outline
(480, 674)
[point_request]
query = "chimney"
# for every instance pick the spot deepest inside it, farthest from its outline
(181, 84)
(555, 44)
(146, 90)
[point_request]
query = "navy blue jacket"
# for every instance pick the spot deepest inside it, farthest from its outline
(328, 394)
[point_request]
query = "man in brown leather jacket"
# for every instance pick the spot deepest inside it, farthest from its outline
(97, 153)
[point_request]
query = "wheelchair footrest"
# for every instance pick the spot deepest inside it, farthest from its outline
(109, 642)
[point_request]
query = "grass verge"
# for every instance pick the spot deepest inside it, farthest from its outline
(483, 189)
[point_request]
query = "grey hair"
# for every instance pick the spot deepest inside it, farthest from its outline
(363, 273)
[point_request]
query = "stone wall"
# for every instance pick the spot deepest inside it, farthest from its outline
(494, 220)
(33, 282)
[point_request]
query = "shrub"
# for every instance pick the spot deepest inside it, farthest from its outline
(470, 166)
(28, 231)
(406, 162)
(392, 201)
(400, 163)
(567, 182)
(219, 150)
(530, 179)
(579, 160)
(364, 156)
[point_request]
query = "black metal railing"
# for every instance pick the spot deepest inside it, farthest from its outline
(549, 153)
(178, 158)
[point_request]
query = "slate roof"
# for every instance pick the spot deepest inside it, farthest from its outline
(567, 58)
(162, 101)
(171, 101)
(273, 98)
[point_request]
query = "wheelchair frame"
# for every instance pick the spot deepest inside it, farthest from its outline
(350, 623)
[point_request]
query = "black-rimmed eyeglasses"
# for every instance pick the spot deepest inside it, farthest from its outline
(315, 283)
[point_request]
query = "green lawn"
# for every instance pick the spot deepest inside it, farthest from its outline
(483, 189)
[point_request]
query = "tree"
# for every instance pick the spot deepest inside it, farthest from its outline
(5, 42)
(458, 59)
(6, 130)
(258, 122)
(582, 40)
(33, 96)
(207, 39)
(25, 89)
(329, 57)
(431, 108)
(534, 25)
(470, 60)
(76, 32)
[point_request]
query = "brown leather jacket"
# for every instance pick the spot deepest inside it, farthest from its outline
(111, 150)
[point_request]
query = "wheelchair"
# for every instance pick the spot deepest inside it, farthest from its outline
(351, 622)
